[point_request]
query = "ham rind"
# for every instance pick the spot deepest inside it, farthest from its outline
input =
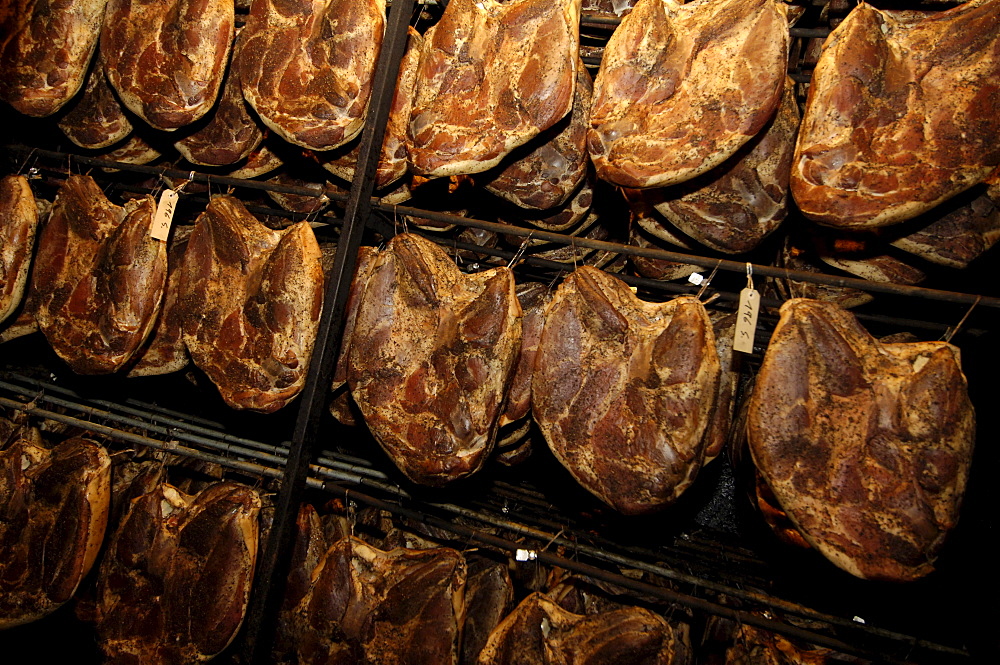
(432, 369)
(45, 48)
(166, 58)
(682, 87)
(306, 67)
(98, 280)
(18, 224)
(251, 300)
(903, 113)
(865, 445)
(623, 390)
(492, 76)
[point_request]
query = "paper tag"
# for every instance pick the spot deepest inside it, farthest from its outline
(164, 215)
(696, 278)
(746, 322)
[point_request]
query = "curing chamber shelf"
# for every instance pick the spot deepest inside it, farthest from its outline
(709, 556)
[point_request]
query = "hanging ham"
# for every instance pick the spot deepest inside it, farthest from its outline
(492, 77)
(865, 445)
(623, 390)
(166, 58)
(98, 279)
(307, 65)
(251, 299)
(682, 87)
(18, 224)
(45, 48)
(903, 113)
(431, 371)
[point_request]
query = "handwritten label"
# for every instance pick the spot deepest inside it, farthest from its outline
(164, 215)
(746, 322)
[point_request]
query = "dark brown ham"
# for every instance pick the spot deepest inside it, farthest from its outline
(166, 58)
(231, 133)
(402, 607)
(251, 299)
(174, 583)
(558, 219)
(551, 167)
(534, 298)
(539, 632)
(624, 390)
(865, 445)
(431, 372)
(903, 113)
(733, 207)
(98, 279)
(18, 224)
(306, 67)
(95, 119)
(310, 547)
(492, 77)
(682, 87)
(959, 231)
(795, 254)
(489, 596)
(53, 512)
(45, 48)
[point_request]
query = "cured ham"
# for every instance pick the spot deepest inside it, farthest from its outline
(556, 166)
(902, 114)
(166, 58)
(624, 390)
(368, 605)
(174, 583)
(733, 207)
(492, 77)
(306, 67)
(392, 160)
(45, 48)
(230, 134)
(432, 370)
(98, 279)
(866, 445)
(95, 119)
(54, 507)
(18, 225)
(342, 406)
(682, 87)
(538, 631)
(252, 300)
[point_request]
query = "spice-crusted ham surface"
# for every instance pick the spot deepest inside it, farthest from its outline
(492, 76)
(307, 65)
(166, 58)
(903, 112)
(432, 369)
(95, 119)
(45, 48)
(250, 300)
(682, 87)
(865, 445)
(98, 280)
(623, 390)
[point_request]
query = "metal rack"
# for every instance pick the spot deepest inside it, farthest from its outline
(686, 573)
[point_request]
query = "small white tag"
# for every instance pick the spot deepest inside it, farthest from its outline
(160, 229)
(696, 278)
(525, 555)
(746, 321)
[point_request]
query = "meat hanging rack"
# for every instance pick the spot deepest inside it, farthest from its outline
(726, 582)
